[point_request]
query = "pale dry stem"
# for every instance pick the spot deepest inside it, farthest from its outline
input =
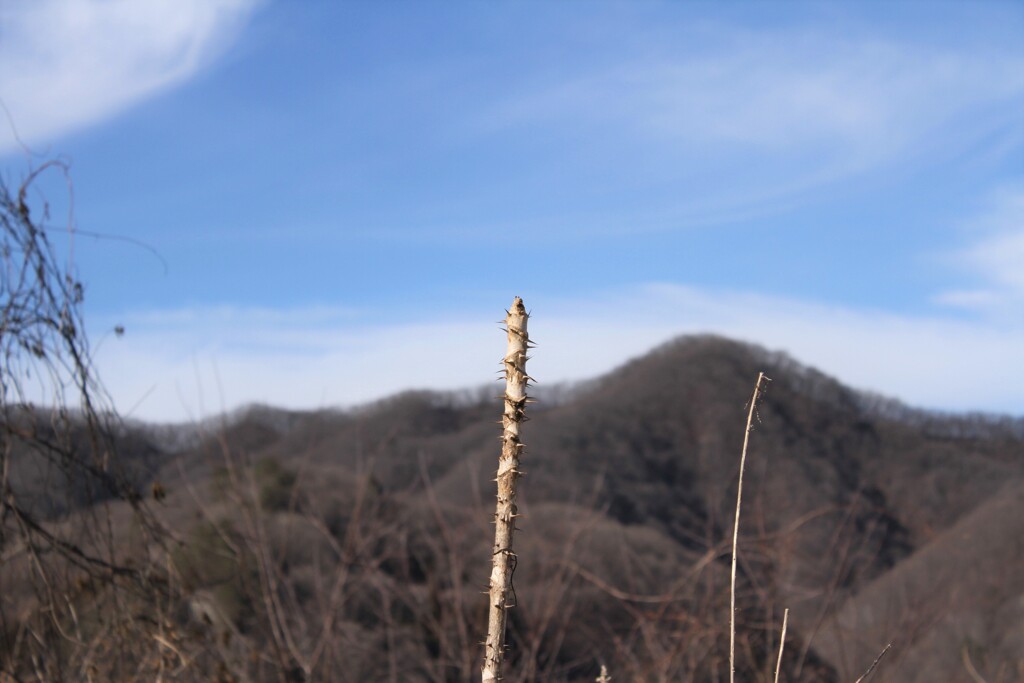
(782, 643)
(736, 527)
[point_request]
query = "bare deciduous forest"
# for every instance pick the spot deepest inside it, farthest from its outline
(356, 545)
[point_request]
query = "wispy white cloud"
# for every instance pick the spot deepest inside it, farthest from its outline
(994, 258)
(65, 64)
(205, 367)
(796, 109)
(195, 363)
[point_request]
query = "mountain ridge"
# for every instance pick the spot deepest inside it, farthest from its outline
(627, 504)
(654, 444)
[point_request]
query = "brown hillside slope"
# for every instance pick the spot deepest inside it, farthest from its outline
(955, 604)
(627, 508)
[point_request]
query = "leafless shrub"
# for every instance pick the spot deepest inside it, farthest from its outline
(83, 590)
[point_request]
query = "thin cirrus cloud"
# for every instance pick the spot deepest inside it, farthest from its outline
(193, 365)
(742, 124)
(66, 64)
(992, 259)
(823, 106)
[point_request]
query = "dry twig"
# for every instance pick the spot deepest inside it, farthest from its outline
(782, 643)
(736, 526)
(873, 664)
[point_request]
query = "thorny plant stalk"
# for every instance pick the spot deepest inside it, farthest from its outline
(503, 557)
(736, 526)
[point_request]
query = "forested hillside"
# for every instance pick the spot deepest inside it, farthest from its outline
(355, 545)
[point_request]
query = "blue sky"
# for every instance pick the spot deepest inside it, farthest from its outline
(338, 199)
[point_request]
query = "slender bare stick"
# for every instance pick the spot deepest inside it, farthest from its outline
(736, 528)
(503, 558)
(604, 677)
(873, 664)
(969, 665)
(782, 644)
